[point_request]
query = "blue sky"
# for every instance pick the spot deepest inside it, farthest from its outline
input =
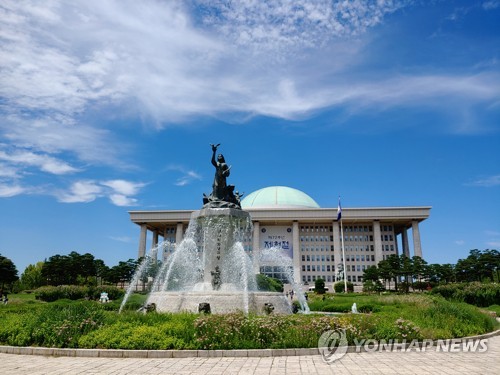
(110, 106)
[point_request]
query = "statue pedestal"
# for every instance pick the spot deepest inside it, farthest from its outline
(219, 230)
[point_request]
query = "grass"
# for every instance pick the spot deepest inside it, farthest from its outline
(89, 324)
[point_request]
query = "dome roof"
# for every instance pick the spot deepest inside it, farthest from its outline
(278, 197)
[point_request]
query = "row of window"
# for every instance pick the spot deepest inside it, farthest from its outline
(317, 248)
(330, 278)
(368, 238)
(367, 228)
(316, 238)
(316, 228)
(360, 258)
(316, 258)
(318, 268)
(365, 238)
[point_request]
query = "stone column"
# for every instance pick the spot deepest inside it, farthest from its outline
(396, 246)
(337, 247)
(296, 252)
(154, 243)
(179, 233)
(417, 246)
(377, 239)
(256, 247)
(406, 245)
(142, 241)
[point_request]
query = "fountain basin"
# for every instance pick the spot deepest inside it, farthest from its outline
(220, 302)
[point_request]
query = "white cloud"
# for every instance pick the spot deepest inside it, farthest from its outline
(7, 191)
(46, 163)
(122, 239)
(122, 200)
(124, 187)
(459, 242)
(492, 4)
(8, 171)
(119, 192)
(489, 181)
(188, 176)
(273, 25)
(81, 191)
(62, 64)
(494, 244)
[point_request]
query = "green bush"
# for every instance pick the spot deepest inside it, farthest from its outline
(88, 324)
(75, 292)
(268, 284)
(339, 287)
(56, 325)
(477, 294)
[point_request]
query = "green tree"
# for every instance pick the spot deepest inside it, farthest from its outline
(32, 277)
(268, 284)
(123, 272)
(8, 272)
(406, 270)
(55, 270)
(319, 286)
(371, 274)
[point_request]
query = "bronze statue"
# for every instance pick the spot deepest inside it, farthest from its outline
(221, 173)
(223, 195)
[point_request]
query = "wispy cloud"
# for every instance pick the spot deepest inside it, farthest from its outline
(492, 4)
(280, 24)
(64, 64)
(119, 192)
(490, 181)
(44, 162)
(124, 239)
(7, 190)
(168, 61)
(187, 177)
(460, 242)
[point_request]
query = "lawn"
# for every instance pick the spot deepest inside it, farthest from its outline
(89, 324)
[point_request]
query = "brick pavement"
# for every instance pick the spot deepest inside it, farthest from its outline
(426, 362)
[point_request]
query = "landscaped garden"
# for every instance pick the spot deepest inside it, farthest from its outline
(82, 323)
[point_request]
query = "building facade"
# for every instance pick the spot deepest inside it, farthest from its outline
(308, 234)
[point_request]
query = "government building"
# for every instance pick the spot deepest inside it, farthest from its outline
(310, 235)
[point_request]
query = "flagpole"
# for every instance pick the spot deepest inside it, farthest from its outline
(343, 255)
(339, 218)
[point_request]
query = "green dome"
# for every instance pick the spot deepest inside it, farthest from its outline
(278, 197)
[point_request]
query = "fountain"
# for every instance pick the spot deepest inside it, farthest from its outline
(209, 271)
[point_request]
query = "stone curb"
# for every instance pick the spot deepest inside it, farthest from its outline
(124, 353)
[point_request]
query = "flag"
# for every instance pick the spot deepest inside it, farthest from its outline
(339, 211)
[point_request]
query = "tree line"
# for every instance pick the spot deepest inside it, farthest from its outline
(85, 269)
(71, 269)
(415, 272)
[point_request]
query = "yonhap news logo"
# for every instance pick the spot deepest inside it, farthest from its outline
(333, 345)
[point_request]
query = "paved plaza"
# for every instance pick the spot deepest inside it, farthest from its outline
(428, 362)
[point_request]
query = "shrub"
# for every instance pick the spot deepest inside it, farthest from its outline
(58, 325)
(475, 293)
(268, 284)
(319, 286)
(75, 292)
(339, 287)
